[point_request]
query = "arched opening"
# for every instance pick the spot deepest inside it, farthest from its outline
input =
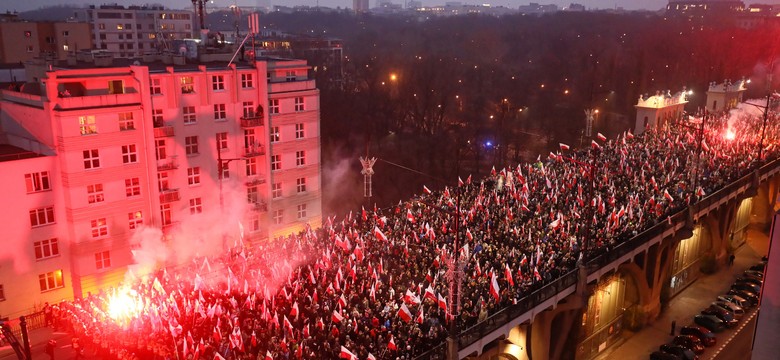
(741, 222)
(603, 319)
(686, 260)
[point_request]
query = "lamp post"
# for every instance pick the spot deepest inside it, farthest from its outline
(221, 165)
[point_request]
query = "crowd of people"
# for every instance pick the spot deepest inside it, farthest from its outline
(375, 283)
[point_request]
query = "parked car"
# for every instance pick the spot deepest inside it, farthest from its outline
(757, 274)
(660, 355)
(706, 336)
(710, 322)
(685, 353)
(750, 296)
(758, 267)
(689, 342)
(736, 300)
(750, 279)
(735, 310)
(756, 289)
(721, 314)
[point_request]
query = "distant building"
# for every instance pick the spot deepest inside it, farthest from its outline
(414, 4)
(360, 6)
(659, 109)
(536, 8)
(23, 41)
(129, 32)
(725, 96)
(704, 8)
(575, 7)
(757, 15)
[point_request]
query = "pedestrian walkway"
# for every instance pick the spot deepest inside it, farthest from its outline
(38, 339)
(689, 302)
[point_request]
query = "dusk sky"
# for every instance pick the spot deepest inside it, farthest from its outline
(25, 5)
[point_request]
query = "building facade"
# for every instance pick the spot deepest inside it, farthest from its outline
(203, 155)
(22, 41)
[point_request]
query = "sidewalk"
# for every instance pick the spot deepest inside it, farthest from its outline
(38, 339)
(687, 303)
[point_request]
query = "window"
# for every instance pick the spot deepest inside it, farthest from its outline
(276, 162)
(252, 196)
(65, 33)
(120, 27)
(225, 173)
(274, 134)
(102, 260)
(91, 159)
(188, 112)
(251, 166)
(102, 26)
(157, 117)
(162, 181)
(249, 109)
(99, 227)
(246, 81)
(156, 87)
(274, 106)
(191, 145)
(187, 85)
(195, 206)
(165, 214)
(135, 219)
(301, 184)
(46, 248)
(42, 216)
(290, 75)
(30, 48)
(132, 187)
(95, 193)
(51, 280)
(159, 149)
(65, 47)
(2, 293)
(250, 141)
(219, 112)
(299, 131)
(28, 33)
(193, 175)
(37, 181)
(102, 36)
(126, 121)
(299, 104)
(217, 82)
(87, 125)
(301, 211)
(300, 158)
(276, 190)
(254, 225)
(116, 87)
(278, 217)
(129, 154)
(222, 141)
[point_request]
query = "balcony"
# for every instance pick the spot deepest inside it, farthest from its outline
(160, 130)
(253, 120)
(169, 195)
(280, 87)
(259, 206)
(253, 151)
(167, 164)
(255, 180)
(97, 101)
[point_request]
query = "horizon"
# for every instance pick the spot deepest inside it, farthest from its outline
(652, 5)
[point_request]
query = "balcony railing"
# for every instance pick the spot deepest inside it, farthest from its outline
(169, 195)
(167, 164)
(252, 151)
(255, 180)
(163, 131)
(259, 205)
(252, 121)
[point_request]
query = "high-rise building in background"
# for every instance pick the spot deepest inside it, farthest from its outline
(360, 6)
(21, 41)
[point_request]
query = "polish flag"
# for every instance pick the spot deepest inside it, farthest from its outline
(460, 181)
(426, 190)
(391, 344)
(411, 297)
(268, 355)
(379, 234)
(494, 289)
(629, 136)
(469, 236)
(404, 313)
(667, 196)
(371, 357)
(420, 316)
(536, 274)
(336, 317)
(358, 253)
(294, 310)
(287, 323)
(342, 301)
(508, 274)
(363, 213)
(409, 216)
(346, 354)
(442, 302)
(429, 294)
(563, 146)
(320, 324)
(594, 144)
(493, 171)
(601, 136)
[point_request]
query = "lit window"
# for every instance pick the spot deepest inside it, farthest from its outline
(301, 211)
(95, 193)
(91, 159)
(276, 190)
(51, 280)
(120, 27)
(102, 260)
(188, 113)
(46, 248)
(299, 131)
(135, 219)
(300, 158)
(156, 87)
(278, 217)
(132, 187)
(126, 121)
(191, 145)
(217, 82)
(246, 80)
(276, 162)
(165, 214)
(301, 184)
(222, 141)
(187, 85)
(274, 106)
(195, 206)
(37, 181)
(274, 134)
(87, 125)
(99, 227)
(129, 154)
(299, 104)
(251, 166)
(219, 112)
(193, 175)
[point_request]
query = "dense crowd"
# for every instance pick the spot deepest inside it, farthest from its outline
(374, 284)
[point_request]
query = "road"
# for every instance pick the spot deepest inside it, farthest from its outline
(736, 344)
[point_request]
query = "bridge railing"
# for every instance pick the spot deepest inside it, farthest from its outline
(525, 304)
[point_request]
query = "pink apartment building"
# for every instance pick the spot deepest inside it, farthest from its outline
(95, 158)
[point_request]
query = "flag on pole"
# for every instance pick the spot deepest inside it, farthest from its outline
(494, 289)
(409, 216)
(336, 317)
(563, 146)
(379, 234)
(404, 313)
(594, 144)
(420, 317)
(426, 190)
(508, 274)
(667, 196)
(268, 355)
(346, 354)
(429, 294)
(442, 302)
(391, 344)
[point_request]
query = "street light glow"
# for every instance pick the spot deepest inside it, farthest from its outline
(393, 77)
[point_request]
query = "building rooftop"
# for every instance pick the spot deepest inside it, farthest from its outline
(11, 153)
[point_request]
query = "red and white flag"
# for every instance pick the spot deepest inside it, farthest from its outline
(536, 274)
(411, 298)
(409, 216)
(494, 289)
(426, 190)
(391, 344)
(468, 235)
(667, 196)
(563, 146)
(420, 317)
(379, 234)
(594, 144)
(336, 317)
(404, 313)
(601, 137)
(429, 294)
(508, 274)
(346, 354)
(268, 355)
(442, 302)
(294, 311)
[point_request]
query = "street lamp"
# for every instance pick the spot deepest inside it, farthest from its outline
(221, 165)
